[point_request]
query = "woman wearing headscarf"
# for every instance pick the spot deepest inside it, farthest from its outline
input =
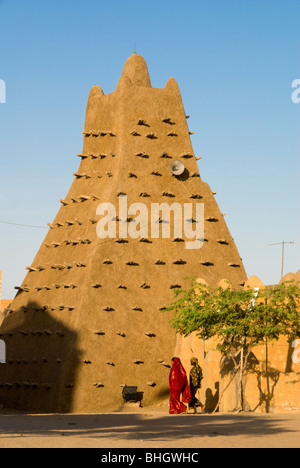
(178, 386)
(196, 377)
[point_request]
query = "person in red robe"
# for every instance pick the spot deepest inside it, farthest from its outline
(178, 386)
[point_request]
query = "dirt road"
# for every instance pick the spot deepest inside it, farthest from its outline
(149, 430)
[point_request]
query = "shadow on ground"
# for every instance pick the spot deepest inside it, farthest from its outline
(146, 427)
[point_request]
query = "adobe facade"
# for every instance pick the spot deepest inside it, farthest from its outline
(89, 317)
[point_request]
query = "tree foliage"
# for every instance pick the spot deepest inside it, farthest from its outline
(237, 318)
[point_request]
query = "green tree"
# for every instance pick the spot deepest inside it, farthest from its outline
(238, 319)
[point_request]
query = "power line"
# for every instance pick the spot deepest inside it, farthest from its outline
(23, 225)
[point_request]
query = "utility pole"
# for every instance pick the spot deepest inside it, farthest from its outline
(283, 243)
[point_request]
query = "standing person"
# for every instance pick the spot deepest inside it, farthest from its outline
(196, 377)
(178, 385)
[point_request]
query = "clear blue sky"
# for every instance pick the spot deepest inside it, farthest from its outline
(234, 61)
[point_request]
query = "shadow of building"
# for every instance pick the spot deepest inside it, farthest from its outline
(42, 359)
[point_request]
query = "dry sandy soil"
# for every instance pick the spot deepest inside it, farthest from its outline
(140, 428)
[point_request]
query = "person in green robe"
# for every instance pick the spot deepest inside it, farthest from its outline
(196, 377)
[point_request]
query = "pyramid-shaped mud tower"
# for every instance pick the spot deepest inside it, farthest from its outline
(89, 317)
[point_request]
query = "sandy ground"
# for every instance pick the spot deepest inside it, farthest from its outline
(149, 429)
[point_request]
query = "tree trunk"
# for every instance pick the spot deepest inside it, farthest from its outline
(241, 380)
(268, 380)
